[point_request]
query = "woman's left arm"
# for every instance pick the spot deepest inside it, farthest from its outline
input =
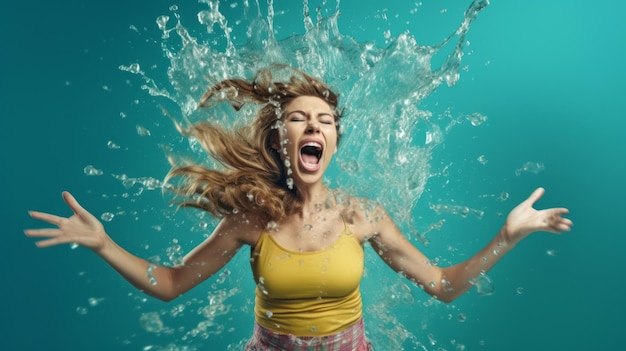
(451, 282)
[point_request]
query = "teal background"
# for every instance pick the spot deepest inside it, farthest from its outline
(552, 90)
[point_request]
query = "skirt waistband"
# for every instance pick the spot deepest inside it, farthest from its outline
(351, 339)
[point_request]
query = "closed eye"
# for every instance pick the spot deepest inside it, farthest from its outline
(326, 119)
(296, 116)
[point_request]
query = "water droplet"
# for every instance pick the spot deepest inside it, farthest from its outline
(461, 317)
(142, 131)
(519, 290)
(82, 310)
(92, 171)
(476, 119)
(151, 277)
(113, 146)
(132, 68)
(462, 211)
(162, 22)
(503, 196)
(447, 285)
(177, 310)
(551, 253)
(432, 340)
(483, 284)
(107, 216)
(261, 286)
(223, 276)
(269, 314)
(530, 167)
(272, 226)
(399, 294)
(151, 322)
(95, 301)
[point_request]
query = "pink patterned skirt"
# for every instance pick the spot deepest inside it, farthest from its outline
(351, 339)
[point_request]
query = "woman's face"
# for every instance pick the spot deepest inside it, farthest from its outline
(309, 139)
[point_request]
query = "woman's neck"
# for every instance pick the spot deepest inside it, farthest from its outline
(313, 196)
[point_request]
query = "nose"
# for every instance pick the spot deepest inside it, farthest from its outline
(312, 127)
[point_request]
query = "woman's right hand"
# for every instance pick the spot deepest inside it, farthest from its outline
(81, 228)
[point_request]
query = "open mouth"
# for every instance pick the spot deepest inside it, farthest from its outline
(310, 155)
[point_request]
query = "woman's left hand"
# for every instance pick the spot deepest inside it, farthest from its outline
(524, 219)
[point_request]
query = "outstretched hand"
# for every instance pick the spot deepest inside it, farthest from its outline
(81, 228)
(524, 219)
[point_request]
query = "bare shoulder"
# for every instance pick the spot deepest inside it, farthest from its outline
(245, 227)
(365, 216)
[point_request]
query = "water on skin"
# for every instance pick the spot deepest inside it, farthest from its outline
(381, 90)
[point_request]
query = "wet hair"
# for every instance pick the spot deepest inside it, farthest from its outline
(254, 178)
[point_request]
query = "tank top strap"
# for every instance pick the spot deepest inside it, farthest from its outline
(347, 231)
(345, 225)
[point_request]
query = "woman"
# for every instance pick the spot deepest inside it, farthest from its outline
(306, 240)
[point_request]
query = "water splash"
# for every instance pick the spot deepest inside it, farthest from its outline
(151, 322)
(483, 284)
(462, 211)
(92, 171)
(382, 90)
(150, 275)
(530, 167)
(399, 294)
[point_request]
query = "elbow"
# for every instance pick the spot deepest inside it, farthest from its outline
(166, 287)
(441, 295)
(446, 294)
(165, 296)
(170, 293)
(445, 298)
(163, 291)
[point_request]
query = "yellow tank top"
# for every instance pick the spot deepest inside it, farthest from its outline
(308, 293)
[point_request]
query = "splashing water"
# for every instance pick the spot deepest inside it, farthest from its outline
(530, 167)
(381, 87)
(381, 90)
(483, 284)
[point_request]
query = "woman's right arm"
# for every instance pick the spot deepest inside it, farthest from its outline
(165, 283)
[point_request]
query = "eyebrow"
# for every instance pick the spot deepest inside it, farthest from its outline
(288, 113)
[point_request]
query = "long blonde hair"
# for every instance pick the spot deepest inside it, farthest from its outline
(253, 179)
